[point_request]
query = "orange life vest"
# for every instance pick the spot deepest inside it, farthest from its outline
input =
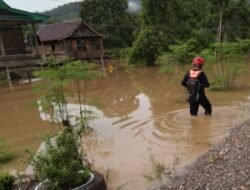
(194, 74)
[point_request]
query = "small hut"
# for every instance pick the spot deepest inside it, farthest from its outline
(71, 39)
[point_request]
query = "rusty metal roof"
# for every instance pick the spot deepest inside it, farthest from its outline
(60, 31)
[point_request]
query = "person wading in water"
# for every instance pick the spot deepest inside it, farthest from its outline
(195, 80)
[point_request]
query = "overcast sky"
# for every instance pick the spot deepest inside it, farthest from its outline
(36, 5)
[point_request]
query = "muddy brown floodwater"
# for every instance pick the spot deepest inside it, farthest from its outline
(140, 115)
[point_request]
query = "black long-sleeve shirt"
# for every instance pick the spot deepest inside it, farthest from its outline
(202, 79)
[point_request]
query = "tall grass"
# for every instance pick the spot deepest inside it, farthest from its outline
(158, 169)
(227, 70)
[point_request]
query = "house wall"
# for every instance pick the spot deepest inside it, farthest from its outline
(13, 41)
(93, 48)
(54, 48)
(76, 48)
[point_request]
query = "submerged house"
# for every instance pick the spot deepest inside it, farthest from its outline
(13, 50)
(76, 40)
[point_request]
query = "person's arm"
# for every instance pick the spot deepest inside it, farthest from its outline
(204, 81)
(184, 80)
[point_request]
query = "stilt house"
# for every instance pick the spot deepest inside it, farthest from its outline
(75, 40)
(13, 50)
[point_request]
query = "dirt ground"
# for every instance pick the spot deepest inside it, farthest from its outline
(226, 166)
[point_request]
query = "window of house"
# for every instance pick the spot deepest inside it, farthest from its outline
(96, 44)
(81, 46)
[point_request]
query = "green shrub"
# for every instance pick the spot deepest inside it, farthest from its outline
(124, 53)
(61, 163)
(184, 52)
(167, 63)
(238, 47)
(6, 181)
(228, 71)
(115, 52)
(147, 47)
(5, 156)
(3, 77)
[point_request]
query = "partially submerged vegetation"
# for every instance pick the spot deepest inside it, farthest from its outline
(62, 162)
(5, 155)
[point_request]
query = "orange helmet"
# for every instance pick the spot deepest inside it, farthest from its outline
(198, 61)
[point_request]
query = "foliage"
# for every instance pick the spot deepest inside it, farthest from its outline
(237, 47)
(53, 98)
(111, 18)
(124, 53)
(162, 15)
(147, 47)
(71, 11)
(3, 77)
(167, 63)
(228, 69)
(60, 162)
(65, 12)
(157, 169)
(6, 181)
(184, 52)
(5, 156)
(237, 12)
(77, 72)
(188, 27)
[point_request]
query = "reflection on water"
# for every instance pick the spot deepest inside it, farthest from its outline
(139, 114)
(20, 127)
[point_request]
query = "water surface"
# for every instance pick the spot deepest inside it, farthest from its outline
(140, 116)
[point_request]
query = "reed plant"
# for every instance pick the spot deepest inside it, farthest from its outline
(227, 70)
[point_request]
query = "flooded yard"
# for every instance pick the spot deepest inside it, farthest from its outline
(141, 119)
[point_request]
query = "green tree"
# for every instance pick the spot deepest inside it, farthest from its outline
(237, 20)
(147, 47)
(111, 18)
(162, 15)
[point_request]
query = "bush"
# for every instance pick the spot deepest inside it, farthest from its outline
(6, 181)
(228, 71)
(61, 163)
(124, 53)
(147, 47)
(238, 47)
(3, 77)
(184, 52)
(4, 155)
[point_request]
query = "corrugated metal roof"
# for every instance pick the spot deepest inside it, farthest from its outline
(60, 31)
(19, 15)
(3, 5)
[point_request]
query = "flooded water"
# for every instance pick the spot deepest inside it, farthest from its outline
(141, 119)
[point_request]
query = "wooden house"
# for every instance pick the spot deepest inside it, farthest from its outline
(75, 40)
(13, 51)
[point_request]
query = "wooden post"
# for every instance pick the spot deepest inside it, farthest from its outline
(65, 47)
(35, 37)
(8, 73)
(29, 76)
(2, 45)
(43, 52)
(103, 67)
